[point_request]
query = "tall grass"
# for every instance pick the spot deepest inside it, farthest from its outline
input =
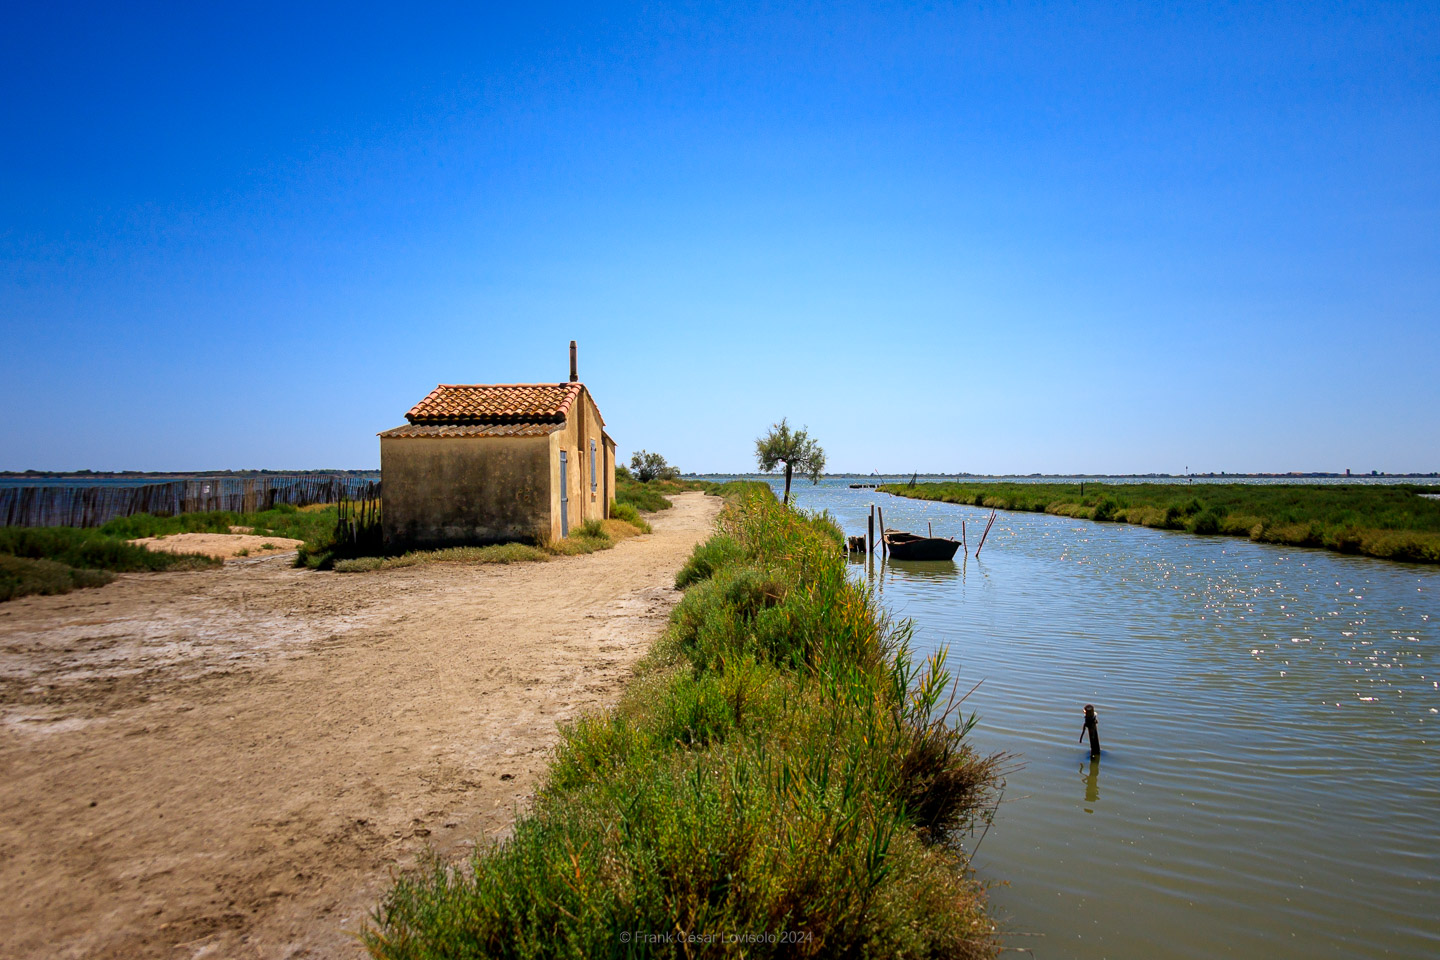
(1389, 521)
(783, 778)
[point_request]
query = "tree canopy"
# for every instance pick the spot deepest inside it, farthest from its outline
(793, 448)
(649, 466)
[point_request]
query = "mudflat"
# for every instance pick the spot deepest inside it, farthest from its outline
(232, 762)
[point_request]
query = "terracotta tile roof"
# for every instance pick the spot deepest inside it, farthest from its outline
(496, 403)
(473, 430)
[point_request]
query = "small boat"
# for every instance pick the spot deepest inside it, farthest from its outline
(909, 546)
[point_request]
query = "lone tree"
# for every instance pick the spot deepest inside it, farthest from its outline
(649, 466)
(795, 449)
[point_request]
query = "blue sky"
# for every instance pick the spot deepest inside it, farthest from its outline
(998, 238)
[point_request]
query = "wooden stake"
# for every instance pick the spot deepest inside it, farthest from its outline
(1092, 728)
(929, 528)
(964, 540)
(985, 534)
(884, 547)
(870, 534)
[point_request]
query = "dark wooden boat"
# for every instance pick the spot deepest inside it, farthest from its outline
(908, 546)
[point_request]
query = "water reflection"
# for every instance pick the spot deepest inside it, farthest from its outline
(1092, 783)
(919, 571)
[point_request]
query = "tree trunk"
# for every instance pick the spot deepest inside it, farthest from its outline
(788, 469)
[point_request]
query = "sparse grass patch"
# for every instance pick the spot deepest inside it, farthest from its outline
(495, 553)
(1390, 521)
(782, 764)
(590, 536)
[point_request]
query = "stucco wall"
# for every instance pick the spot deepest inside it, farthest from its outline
(574, 438)
(457, 490)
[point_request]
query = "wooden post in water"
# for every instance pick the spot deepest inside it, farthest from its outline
(1092, 728)
(870, 532)
(929, 528)
(884, 547)
(988, 525)
(964, 540)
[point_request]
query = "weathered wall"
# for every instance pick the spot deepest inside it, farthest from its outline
(609, 473)
(458, 490)
(582, 426)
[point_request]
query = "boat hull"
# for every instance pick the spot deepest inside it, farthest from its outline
(923, 548)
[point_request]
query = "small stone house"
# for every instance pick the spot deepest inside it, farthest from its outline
(486, 463)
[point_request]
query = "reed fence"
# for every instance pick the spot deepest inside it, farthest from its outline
(91, 506)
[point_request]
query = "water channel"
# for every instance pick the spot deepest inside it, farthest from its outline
(1270, 717)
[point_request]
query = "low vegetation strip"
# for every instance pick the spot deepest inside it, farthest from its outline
(1393, 522)
(782, 778)
(48, 560)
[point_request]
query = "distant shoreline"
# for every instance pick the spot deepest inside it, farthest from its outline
(168, 474)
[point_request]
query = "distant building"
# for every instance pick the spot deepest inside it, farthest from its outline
(485, 463)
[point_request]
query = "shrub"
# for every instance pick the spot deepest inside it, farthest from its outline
(23, 576)
(651, 466)
(1207, 522)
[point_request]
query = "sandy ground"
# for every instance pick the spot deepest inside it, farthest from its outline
(231, 762)
(223, 545)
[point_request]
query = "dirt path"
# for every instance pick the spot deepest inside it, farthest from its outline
(228, 763)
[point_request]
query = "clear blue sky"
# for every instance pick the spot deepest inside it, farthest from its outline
(998, 238)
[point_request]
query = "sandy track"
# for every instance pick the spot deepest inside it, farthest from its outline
(230, 762)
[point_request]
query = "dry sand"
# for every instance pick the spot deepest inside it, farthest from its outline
(230, 762)
(222, 545)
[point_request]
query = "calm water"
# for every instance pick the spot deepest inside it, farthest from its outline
(1270, 784)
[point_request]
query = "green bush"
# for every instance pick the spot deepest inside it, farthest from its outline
(23, 576)
(1207, 522)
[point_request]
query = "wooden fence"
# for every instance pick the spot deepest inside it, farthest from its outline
(90, 506)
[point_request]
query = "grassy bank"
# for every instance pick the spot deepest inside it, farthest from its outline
(1389, 521)
(781, 779)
